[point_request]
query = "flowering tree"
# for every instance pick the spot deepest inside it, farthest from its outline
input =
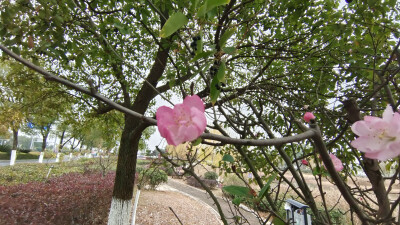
(259, 65)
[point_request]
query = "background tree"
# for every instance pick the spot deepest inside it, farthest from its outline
(12, 113)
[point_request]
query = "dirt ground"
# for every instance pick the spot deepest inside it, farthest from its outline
(154, 209)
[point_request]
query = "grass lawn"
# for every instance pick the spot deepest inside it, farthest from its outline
(30, 155)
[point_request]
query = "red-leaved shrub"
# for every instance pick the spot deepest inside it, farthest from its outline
(70, 199)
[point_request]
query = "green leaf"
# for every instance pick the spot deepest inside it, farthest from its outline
(121, 27)
(197, 141)
(226, 36)
(79, 60)
(58, 20)
(209, 5)
(175, 22)
(214, 3)
(202, 11)
(316, 171)
(228, 158)
(238, 191)
(229, 50)
(199, 46)
(193, 7)
(128, 7)
(389, 165)
(171, 83)
(278, 221)
(202, 55)
(221, 72)
(237, 201)
(266, 186)
(214, 92)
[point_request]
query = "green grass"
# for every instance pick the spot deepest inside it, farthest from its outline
(141, 162)
(28, 172)
(30, 155)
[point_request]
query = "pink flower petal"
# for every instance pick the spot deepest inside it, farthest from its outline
(336, 162)
(361, 128)
(191, 133)
(172, 137)
(185, 122)
(395, 125)
(199, 119)
(388, 114)
(163, 116)
(391, 151)
(308, 116)
(379, 138)
(195, 102)
(368, 144)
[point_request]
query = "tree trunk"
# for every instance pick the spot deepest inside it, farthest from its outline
(15, 139)
(60, 145)
(44, 143)
(80, 146)
(45, 134)
(125, 175)
(126, 167)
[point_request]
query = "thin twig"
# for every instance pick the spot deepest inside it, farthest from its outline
(175, 215)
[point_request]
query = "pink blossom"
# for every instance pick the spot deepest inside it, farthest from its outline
(379, 138)
(185, 122)
(308, 116)
(304, 162)
(336, 162)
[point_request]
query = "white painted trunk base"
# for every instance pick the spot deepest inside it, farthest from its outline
(120, 212)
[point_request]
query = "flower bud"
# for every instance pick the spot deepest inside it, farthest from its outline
(308, 116)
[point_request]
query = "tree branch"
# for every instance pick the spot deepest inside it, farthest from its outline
(49, 76)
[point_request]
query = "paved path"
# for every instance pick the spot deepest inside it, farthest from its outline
(203, 196)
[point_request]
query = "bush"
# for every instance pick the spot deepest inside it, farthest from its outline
(69, 199)
(140, 169)
(5, 148)
(211, 175)
(24, 150)
(152, 177)
(169, 170)
(212, 184)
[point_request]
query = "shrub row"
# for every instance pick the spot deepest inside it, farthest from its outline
(70, 199)
(8, 148)
(5, 148)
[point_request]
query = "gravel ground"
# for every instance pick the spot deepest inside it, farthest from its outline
(154, 209)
